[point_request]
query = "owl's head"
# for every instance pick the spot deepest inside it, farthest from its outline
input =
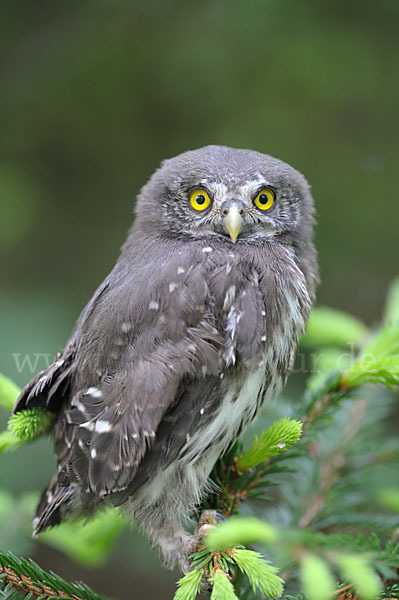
(239, 196)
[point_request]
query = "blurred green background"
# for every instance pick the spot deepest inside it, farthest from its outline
(94, 94)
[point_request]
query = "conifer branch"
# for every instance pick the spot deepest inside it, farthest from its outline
(27, 425)
(332, 464)
(25, 576)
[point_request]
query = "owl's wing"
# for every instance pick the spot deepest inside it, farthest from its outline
(141, 359)
(113, 425)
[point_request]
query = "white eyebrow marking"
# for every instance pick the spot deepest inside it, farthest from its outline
(250, 187)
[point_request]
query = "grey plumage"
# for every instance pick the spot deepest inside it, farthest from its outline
(181, 344)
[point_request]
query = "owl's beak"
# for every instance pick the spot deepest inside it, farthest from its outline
(233, 221)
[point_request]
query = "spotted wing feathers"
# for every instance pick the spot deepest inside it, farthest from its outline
(132, 385)
(49, 387)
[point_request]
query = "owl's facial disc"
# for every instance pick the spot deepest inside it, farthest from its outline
(238, 196)
(235, 209)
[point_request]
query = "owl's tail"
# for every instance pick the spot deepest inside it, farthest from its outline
(54, 503)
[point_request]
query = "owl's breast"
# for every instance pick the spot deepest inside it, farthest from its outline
(262, 331)
(238, 402)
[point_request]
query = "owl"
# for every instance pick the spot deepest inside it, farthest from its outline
(192, 332)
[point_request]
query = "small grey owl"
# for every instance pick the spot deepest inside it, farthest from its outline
(192, 331)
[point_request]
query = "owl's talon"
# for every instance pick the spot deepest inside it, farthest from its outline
(207, 521)
(205, 585)
(211, 516)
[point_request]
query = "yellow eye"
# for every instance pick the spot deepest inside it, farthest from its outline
(199, 200)
(265, 199)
